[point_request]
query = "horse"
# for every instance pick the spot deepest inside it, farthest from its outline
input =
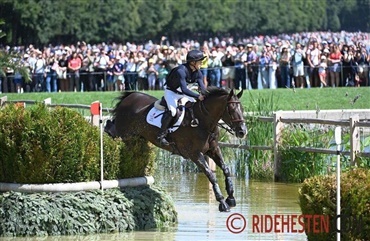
(194, 143)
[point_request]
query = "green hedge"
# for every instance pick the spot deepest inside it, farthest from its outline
(43, 145)
(87, 212)
(318, 196)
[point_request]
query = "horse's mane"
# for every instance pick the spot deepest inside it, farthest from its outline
(215, 91)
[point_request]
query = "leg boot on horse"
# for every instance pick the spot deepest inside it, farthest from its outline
(166, 124)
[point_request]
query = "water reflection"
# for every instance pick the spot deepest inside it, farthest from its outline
(199, 218)
(198, 215)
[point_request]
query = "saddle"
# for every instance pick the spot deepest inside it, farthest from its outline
(189, 118)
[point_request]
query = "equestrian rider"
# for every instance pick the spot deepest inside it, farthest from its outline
(177, 81)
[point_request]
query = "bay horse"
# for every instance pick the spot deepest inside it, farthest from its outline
(129, 119)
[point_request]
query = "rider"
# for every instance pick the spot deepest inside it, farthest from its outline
(177, 81)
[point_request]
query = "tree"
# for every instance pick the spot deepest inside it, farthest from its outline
(67, 21)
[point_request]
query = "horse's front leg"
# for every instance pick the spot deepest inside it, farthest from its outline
(201, 162)
(215, 153)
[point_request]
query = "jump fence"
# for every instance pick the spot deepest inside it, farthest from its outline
(355, 120)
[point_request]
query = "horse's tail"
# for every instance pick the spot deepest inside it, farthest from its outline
(120, 99)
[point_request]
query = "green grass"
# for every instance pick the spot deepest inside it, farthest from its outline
(286, 99)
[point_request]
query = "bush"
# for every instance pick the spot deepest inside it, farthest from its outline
(318, 196)
(87, 212)
(42, 145)
(138, 157)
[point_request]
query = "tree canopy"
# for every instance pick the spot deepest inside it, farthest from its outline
(67, 21)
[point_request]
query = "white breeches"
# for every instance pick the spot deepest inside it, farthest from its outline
(172, 99)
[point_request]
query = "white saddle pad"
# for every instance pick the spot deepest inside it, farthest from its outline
(154, 118)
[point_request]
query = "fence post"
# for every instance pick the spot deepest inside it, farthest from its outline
(355, 138)
(278, 127)
(3, 100)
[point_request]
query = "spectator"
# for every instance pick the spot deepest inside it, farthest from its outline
(313, 59)
(215, 66)
(284, 65)
(26, 84)
(62, 72)
(322, 71)
(100, 68)
(51, 74)
(130, 73)
(88, 63)
(252, 66)
(152, 74)
(363, 63)
(240, 59)
(263, 63)
(110, 76)
(162, 74)
(204, 66)
(39, 72)
(141, 69)
(74, 65)
(334, 61)
(18, 82)
(84, 70)
(271, 52)
(228, 71)
(298, 66)
(118, 74)
(359, 62)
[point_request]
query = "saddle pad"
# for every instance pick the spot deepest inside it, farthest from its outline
(154, 118)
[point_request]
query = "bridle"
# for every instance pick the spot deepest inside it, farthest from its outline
(226, 126)
(228, 111)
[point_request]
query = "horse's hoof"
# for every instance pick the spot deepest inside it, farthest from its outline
(231, 202)
(223, 207)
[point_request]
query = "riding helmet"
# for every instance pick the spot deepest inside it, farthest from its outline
(195, 55)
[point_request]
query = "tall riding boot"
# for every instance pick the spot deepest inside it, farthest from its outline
(166, 121)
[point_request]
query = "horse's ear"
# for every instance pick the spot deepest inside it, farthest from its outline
(231, 94)
(239, 95)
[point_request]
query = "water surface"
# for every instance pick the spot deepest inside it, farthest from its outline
(198, 215)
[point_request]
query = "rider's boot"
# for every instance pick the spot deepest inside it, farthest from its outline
(166, 121)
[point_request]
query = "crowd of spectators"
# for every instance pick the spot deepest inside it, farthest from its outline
(301, 60)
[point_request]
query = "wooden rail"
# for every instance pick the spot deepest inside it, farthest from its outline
(353, 119)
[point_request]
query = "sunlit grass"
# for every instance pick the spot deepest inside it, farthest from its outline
(286, 99)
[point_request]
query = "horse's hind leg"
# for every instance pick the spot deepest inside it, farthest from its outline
(216, 155)
(202, 164)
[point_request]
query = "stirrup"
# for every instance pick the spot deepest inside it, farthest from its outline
(194, 123)
(163, 141)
